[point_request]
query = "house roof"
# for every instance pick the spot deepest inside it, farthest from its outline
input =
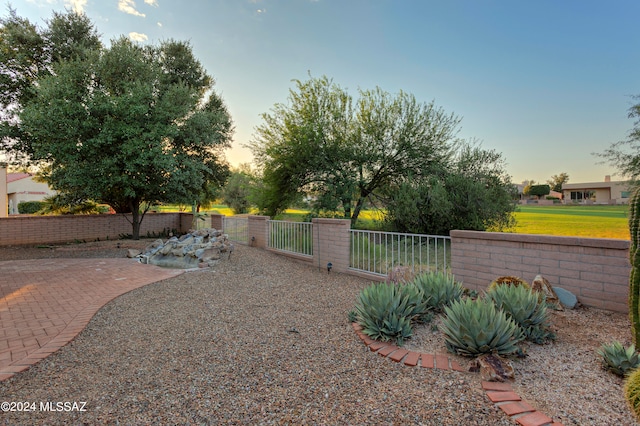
(12, 177)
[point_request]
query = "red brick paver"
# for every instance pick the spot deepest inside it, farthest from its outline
(46, 303)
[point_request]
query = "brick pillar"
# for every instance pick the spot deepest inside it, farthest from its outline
(217, 221)
(331, 243)
(258, 232)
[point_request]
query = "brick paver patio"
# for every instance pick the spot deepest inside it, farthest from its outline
(45, 303)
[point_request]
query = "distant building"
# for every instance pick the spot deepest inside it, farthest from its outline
(607, 192)
(23, 187)
(4, 201)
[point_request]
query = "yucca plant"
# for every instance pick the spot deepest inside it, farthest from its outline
(526, 308)
(618, 359)
(441, 287)
(385, 311)
(476, 327)
(632, 392)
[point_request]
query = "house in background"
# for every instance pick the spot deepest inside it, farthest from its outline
(23, 187)
(607, 192)
(4, 201)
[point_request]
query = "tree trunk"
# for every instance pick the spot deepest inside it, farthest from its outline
(135, 219)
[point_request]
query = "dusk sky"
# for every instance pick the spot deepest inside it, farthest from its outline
(545, 82)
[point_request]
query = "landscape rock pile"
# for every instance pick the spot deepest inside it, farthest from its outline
(201, 248)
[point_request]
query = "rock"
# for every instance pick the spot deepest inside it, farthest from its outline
(565, 297)
(131, 253)
(542, 285)
(493, 368)
(189, 251)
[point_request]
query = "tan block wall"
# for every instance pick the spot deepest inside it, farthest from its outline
(331, 241)
(595, 270)
(258, 233)
(27, 229)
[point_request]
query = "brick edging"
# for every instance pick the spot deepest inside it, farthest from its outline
(501, 394)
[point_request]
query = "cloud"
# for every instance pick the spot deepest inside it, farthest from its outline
(152, 2)
(129, 6)
(138, 36)
(76, 5)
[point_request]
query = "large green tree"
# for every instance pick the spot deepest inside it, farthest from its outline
(128, 126)
(625, 155)
(343, 153)
(27, 54)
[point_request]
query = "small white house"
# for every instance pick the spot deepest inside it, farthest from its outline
(23, 187)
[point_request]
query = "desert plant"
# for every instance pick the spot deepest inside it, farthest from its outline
(634, 257)
(618, 359)
(385, 311)
(475, 327)
(508, 280)
(632, 392)
(526, 308)
(442, 288)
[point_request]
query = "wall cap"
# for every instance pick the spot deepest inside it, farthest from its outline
(608, 243)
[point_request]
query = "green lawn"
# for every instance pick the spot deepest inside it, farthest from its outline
(569, 220)
(580, 221)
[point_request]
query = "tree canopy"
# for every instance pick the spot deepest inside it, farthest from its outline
(126, 125)
(343, 153)
(472, 193)
(625, 155)
(556, 181)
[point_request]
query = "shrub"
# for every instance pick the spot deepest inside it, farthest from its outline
(526, 308)
(30, 207)
(475, 327)
(385, 311)
(618, 359)
(632, 392)
(441, 287)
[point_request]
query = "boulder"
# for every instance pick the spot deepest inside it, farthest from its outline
(131, 253)
(493, 368)
(565, 297)
(200, 249)
(542, 285)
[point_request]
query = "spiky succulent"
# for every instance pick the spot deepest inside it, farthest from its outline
(442, 288)
(618, 359)
(526, 308)
(475, 327)
(632, 392)
(385, 311)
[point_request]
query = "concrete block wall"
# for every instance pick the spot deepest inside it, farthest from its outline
(596, 270)
(23, 229)
(331, 243)
(258, 233)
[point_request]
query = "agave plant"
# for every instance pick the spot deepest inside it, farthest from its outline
(475, 327)
(526, 308)
(441, 287)
(618, 359)
(385, 311)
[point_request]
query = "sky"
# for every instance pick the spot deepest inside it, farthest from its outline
(547, 83)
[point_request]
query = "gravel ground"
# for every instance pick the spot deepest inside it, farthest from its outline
(261, 339)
